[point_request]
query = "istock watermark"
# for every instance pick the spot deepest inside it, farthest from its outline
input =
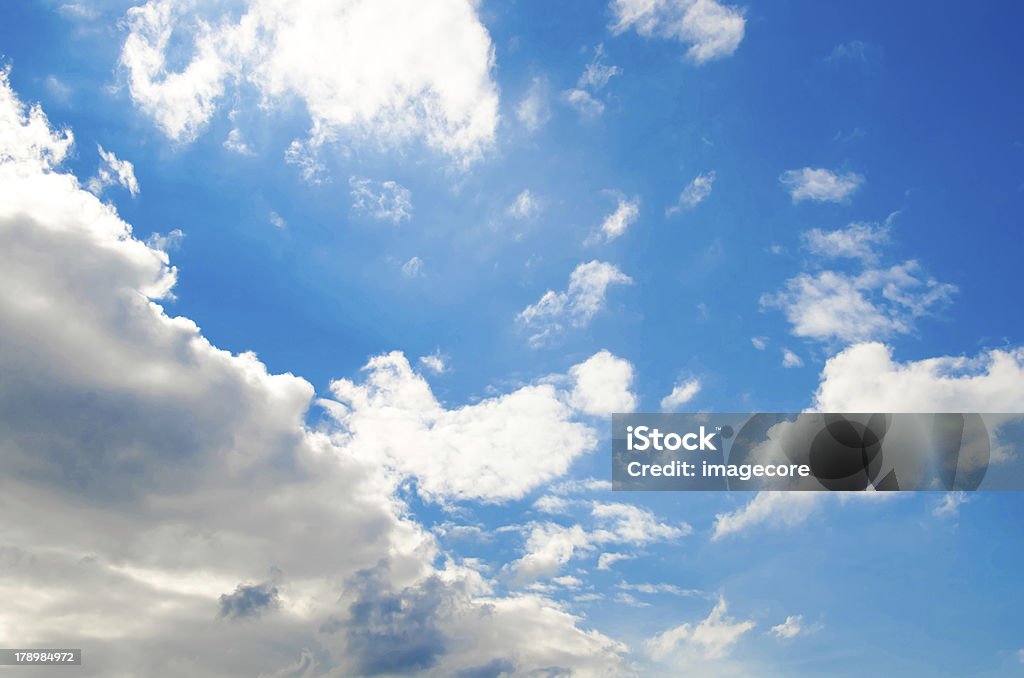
(818, 451)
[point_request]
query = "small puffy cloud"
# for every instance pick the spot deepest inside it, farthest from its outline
(618, 222)
(820, 184)
(856, 241)
(534, 111)
(166, 243)
(113, 171)
(584, 102)
(385, 72)
(949, 506)
(713, 637)
(550, 546)
(876, 303)
(694, 194)
(790, 359)
(631, 524)
(235, 142)
(435, 362)
(710, 29)
(606, 560)
(682, 393)
(413, 268)
(767, 509)
(575, 306)
(554, 504)
(594, 78)
(791, 628)
(760, 343)
(525, 206)
(277, 221)
(383, 200)
(601, 385)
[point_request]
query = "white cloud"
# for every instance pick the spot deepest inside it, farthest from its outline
(435, 362)
(113, 171)
(26, 141)
(767, 509)
(235, 142)
(658, 589)
(1020, 655)
(555, 505)
(534, 111)
(384, 72)
(601, 385)
(714, 636)
(581, 486)
(577, 305)
(821, 185)
(495, 450)
(594, 78)
(550, 546)
(949, 505)
(760, 343)
(597, 74)
(790, 359)
(791, 628)
(57, 88)
(413, 268)
(307, 159)
(133, 442)
(864, 377)
(712, 30)
(876, 303)
(631, 524)
(162, 434)
(694, 194)
(856, 241)
(277, 221)
(525, 206)
(618, 222)
(629, 599)
(166, 243)
(77, 10)
(383, 200)
(584, 102)
(606, 560)
(682, 393)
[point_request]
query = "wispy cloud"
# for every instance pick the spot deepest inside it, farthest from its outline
(382, 200)
(113, 171)
(576, 305)
(710, 29)
(695, 193)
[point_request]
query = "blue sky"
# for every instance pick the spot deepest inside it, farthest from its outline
(550, 214)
